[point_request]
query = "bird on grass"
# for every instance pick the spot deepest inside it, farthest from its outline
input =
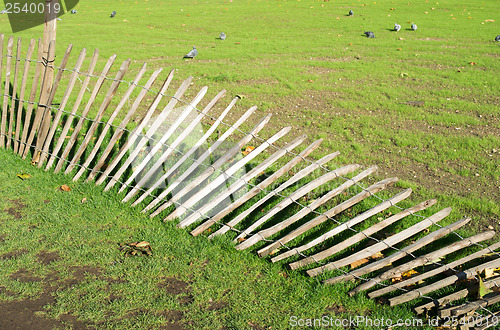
(414, 27)
(397, 27)
(369, 34)
(497, 38)
(113, 14)
(73, 11)
(192, 53)
(222, 36)
(351, 13)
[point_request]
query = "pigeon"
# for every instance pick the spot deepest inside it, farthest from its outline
(370, 34)
(3, 11)
(414, 27)
(351, 13)
(113, 14)
(222, 36)
(397, 27)
(73, 11)
(192, 53)
(497, 38)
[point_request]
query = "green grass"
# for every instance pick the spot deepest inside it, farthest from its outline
(309, 64)
(251, 290)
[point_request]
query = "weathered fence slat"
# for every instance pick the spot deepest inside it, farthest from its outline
(151, 131)
(255, 190)
(242, 181)
(213, 167)
(429, 238)
(354, 239)
(380, 246)
(471, 290)
(435, 271)
(96, 122)
(137, 130)
(23, 146)
(357, 219)
(188, 154)
(24, 81)
(75, 108)
(429, 257)
(296, 177)
(373, 189)
(79, 125)
(3, 137)
(108, 124)
(219, 163)
(14, 91)
(222, 177)
(62, 106)
(162, 143)
(469, 273)
(265, 233)
(121, 128)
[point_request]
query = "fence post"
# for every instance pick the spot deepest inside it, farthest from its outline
(49, 38)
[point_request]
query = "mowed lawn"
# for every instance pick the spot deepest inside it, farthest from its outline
(422, 105)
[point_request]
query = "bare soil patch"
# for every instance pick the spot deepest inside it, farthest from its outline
(13, 254)
(15, 210)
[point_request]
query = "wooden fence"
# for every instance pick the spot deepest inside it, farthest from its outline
(202, 183)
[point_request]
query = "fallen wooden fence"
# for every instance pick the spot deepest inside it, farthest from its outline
(202, 186)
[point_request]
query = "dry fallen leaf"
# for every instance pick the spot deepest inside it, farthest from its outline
(84, 199)
(24, 176)
(247, 150)
(377, 255)
(241, 239)
(359, 263)
(65, 188)
(409, 273)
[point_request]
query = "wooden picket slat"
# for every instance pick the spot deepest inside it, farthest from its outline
(137, 130)
(213, 167)
(170, 149)
(95, 123)
(373, 189)
(186, 156)
(222, 177)
(242, 181)
(290, 199)
(23, 146)
(3, 136)
(106, 128)
(469, 273)
(429, 257)
(75, 108)
(296, 177)
(342, 245)
(218, 164)
(62, 106)
(154, 127)
(258, 188)
(433, 272)
(20, 107)
(435, 235)
(162, 143)
(79, 125)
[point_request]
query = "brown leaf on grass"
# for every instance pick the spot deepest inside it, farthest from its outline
(241, 239)
(84, 199)
(135, 248)
(285, 275)
(409, 274)
(377, 255)
(65, 188)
